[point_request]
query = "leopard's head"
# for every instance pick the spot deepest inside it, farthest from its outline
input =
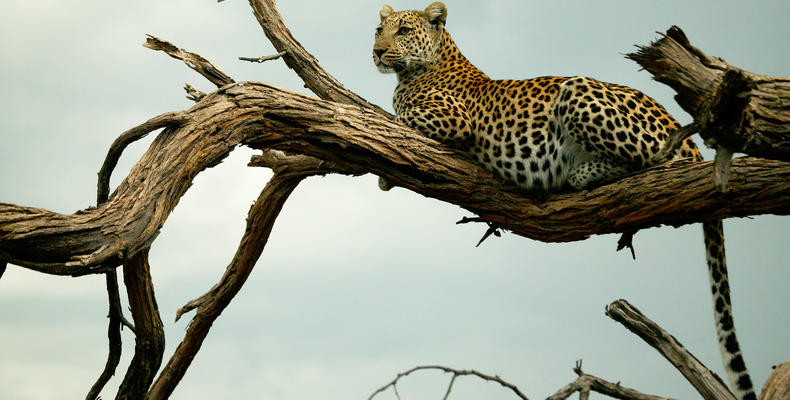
(408, 40)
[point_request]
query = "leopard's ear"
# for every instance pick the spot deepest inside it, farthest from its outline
(436, 13)
(385, 12)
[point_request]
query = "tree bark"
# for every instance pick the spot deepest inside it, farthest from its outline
(149, 331)
(740, 110)
(707, 383)
(777, 387)
(356, 137)
(264, 117)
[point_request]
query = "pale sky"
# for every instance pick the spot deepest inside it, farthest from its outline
(356, 284)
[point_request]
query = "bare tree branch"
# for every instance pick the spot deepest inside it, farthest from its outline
(586, 383)
(302, 62)
(260, 221)
(192, 60)
(171, 119)
(263, 58)
(150, 334)
(456, 373)
(707, 383)
(734, 110)
(263, 117)
(302, 136)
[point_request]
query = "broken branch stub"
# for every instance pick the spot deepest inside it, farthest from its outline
(740, 110)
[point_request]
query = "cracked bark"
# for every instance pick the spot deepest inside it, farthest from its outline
(347, 135)
(265, 117)
(734, 110)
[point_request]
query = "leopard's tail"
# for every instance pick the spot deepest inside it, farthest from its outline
(740, 382)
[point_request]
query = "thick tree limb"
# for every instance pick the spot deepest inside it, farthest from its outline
(263, 117)
(733, 109)
(150, 335)
(707, 383)
(331, 137)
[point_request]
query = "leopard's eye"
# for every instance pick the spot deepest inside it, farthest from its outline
(378, 30)
(404, 30)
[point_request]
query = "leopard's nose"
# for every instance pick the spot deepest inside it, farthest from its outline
(379, 52)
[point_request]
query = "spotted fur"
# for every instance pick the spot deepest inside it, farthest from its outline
(542, 133)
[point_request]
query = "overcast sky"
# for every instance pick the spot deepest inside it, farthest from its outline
(356, 284)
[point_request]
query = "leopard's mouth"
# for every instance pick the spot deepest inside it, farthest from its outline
(399, 66)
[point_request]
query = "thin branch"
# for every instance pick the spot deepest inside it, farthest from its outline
(492, 229)
(302, 62)
(707, 383)
(456, 373)
(449, 387)
(193, 93)
(263, 58)
(586, 383)
(285, 164)
(260, 221)
(169, 119)
(113, 334)
(193, 60)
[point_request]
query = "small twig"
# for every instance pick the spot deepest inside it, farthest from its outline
(466, 220)
(264, 58)
(627, 240)
(455, 373)
(492, 229)
(193, 93)
(395, 389)
(449, 387)
(284, 163)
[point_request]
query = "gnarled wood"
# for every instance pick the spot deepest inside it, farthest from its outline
(734, 110)
(149, 331)
(353, 138)
(263, 117)
(707, 383)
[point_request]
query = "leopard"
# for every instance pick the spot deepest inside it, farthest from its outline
(544, 134)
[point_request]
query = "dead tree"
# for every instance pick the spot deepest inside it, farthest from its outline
(341, 133)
